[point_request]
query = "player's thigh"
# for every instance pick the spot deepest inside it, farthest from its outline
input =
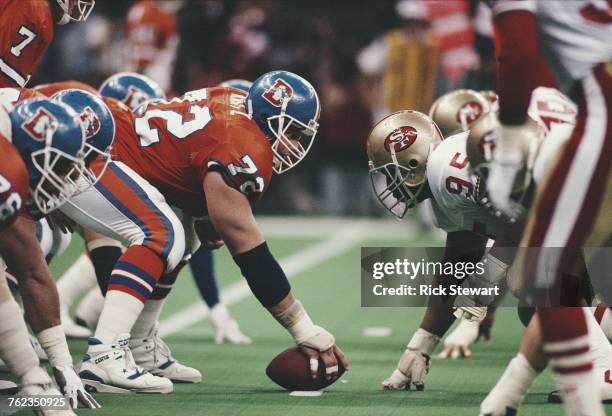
(125, 207)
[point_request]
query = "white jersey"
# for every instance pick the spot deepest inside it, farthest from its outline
(454, 190)
(575, 35)
(556, 113)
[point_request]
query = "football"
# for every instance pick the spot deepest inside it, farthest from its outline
(291, 370)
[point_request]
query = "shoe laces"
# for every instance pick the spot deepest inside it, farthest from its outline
(160, 348)
(130, 363)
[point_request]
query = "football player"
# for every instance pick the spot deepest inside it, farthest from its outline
(570, 210)
(27, 32)
(43, 142)
(292, 107)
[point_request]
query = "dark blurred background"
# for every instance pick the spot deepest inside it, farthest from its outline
(365, 58)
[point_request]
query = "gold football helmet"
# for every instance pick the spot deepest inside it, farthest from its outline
(480, 147)
(457, 110)
(398, 148)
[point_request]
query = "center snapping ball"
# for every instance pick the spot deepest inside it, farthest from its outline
(291, 370)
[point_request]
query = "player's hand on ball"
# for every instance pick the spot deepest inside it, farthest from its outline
(72, 387)
(411, 370)
(322, 345)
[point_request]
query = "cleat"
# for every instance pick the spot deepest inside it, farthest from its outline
(110, 368)
(153, 355)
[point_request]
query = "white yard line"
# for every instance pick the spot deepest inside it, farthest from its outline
(343, 239)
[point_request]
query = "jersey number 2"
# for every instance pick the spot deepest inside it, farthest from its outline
(175, 123)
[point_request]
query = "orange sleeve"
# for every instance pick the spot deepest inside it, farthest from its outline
(13, 184)
(27, 31)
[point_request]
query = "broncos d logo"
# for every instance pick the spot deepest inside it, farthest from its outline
(40, 124)
(401, 138)
(90, 121)
(275, 94)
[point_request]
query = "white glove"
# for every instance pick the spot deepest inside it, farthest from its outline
(413, 365)
(457, 344)
(226, 327)
(319, 340)
(507, 162)
(72, 387)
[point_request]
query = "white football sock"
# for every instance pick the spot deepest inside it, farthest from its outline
(90, 307)
(571, 362)
(15, 347)
(77, 280)
(513, 385)
(148, 317)
(118, 316)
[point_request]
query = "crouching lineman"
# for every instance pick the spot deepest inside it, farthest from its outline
(221, 156)
(457, 205)
(42, 145)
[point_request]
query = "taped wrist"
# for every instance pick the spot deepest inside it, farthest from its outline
(53, 341)
(296, 320)
(423, 342)
(264, 275)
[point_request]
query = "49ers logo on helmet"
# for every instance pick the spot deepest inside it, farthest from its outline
(277, 92)
(40, 124)
(135, 97)
(469, 112)
(401, 138)
(91, 122)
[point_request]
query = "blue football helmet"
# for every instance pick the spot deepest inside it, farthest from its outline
(131, 88)
(99, 126)
(241, 84)
(286, 108)
(50, 138)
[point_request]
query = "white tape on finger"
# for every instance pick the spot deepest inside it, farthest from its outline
(314, 365)
(331, 370)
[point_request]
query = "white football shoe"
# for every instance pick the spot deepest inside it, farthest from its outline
(226, 327)
(71, 329)
(110, 368)
(153, 355)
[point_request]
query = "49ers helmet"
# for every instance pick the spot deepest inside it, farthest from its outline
(457, 110)
(398, 148)
(480, 147)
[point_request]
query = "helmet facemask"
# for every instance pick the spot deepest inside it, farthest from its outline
(293, 139)
(56, 183)
(397, 187)
(77, 12)
(82, 176)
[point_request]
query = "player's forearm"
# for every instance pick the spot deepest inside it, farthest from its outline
(520, 67)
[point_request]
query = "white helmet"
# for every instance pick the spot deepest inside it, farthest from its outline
(398, 148)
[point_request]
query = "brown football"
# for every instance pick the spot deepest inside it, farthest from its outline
(291, 370)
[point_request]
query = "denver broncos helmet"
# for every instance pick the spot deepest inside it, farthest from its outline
(50, 137)
(286, 108)
(131, 88)
(99, 127)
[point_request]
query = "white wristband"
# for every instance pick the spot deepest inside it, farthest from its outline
(296, 320)
(423, 341)
(53, 341)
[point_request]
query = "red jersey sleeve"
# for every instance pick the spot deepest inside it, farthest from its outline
(49, 89)
(13, 183)
(26, 31)
(244, 159)
(520, 66)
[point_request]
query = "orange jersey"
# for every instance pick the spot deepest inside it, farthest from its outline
(26, 31)
(50, 89)
(148, 29)
(177, 142)
(11, 96)
(13, 183)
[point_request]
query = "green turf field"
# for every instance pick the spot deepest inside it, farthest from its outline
(234, 380)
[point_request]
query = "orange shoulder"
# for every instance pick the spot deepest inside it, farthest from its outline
(13, 183)
(50, 89)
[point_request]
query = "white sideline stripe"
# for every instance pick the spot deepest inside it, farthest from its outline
(293, 265)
